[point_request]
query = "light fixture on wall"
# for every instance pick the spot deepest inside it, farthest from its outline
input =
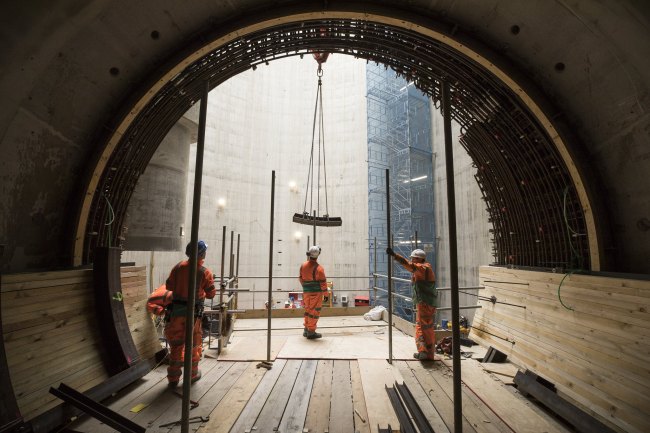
(297, 236)
(221, 203)
(293, 186)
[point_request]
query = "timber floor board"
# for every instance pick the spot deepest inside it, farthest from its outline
(343, 338)
(293, 417)
(224, 415)
(125, 398)
(318, 413)
(342, 410)
(325, 395)
(249, 414)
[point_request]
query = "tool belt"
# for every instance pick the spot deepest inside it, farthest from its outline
(178, 308)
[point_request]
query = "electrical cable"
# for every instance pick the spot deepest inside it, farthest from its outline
(575, 252)
(112, 217)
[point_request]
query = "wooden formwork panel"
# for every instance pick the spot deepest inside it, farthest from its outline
(141, 324)
(51, 335)
(588, 335)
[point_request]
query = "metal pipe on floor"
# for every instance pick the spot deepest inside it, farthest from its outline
(453, 258)
(268, 332)
(191, 294)
(390, 273)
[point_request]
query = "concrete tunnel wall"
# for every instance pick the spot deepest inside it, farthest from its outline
(67, 71)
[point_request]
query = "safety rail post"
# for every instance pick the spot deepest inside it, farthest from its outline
(191, 294)
(237, 270)
(223, 264)
(314, 227)
(453, 258)
(374, 276)
(390, 273)
(231, 269)
(268, 333)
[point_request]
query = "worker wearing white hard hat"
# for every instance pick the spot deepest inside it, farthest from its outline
(314, 283)
(425, 298)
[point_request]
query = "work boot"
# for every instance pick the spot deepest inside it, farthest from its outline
(312, 335)
(421, 356)
(197, 377)
(172, 385)
(305, 332)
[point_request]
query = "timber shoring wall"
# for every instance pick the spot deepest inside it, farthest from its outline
(597, 354)
(135, 292)
(51, 335)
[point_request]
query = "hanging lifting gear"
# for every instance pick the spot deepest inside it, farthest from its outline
(305, 217)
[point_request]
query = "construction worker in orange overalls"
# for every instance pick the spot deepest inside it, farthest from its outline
(175, 327)
(313, 281)
(425, 298)
(159, 300)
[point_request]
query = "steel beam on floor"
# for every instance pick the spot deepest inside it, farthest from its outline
(96, 410)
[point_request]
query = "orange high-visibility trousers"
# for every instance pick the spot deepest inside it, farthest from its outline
(425, 334)
(312, 301)
(175, 334)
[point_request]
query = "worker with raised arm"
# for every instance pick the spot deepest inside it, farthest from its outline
(314, 283)
(175, 327)
(425, 298)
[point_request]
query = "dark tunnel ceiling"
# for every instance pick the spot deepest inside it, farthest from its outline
(533, 204)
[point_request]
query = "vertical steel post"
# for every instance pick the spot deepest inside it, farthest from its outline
(237, 266)
(453, 258)
(237, 275)
(223, 264)
(308, 243)
(390, 273)
(315, 228)
(232, 258)
(416, 239)
(374, 277)
(268, 332)
(191, 284)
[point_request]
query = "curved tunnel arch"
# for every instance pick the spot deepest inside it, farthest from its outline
(502, 120)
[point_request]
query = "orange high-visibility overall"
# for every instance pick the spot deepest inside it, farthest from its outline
(159, 300)
(425, 298)
(314, 283)
(175, 328)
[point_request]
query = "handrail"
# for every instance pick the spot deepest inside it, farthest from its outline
(365, 289)
(466, 307)
(296, 277)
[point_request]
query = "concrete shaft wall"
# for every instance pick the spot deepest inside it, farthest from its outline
(472, 224)
(261, 121)
(156, 214)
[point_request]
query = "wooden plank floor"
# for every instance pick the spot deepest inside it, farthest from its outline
(325, 395)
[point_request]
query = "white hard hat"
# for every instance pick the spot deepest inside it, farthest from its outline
(314, 252)
(420, 254)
